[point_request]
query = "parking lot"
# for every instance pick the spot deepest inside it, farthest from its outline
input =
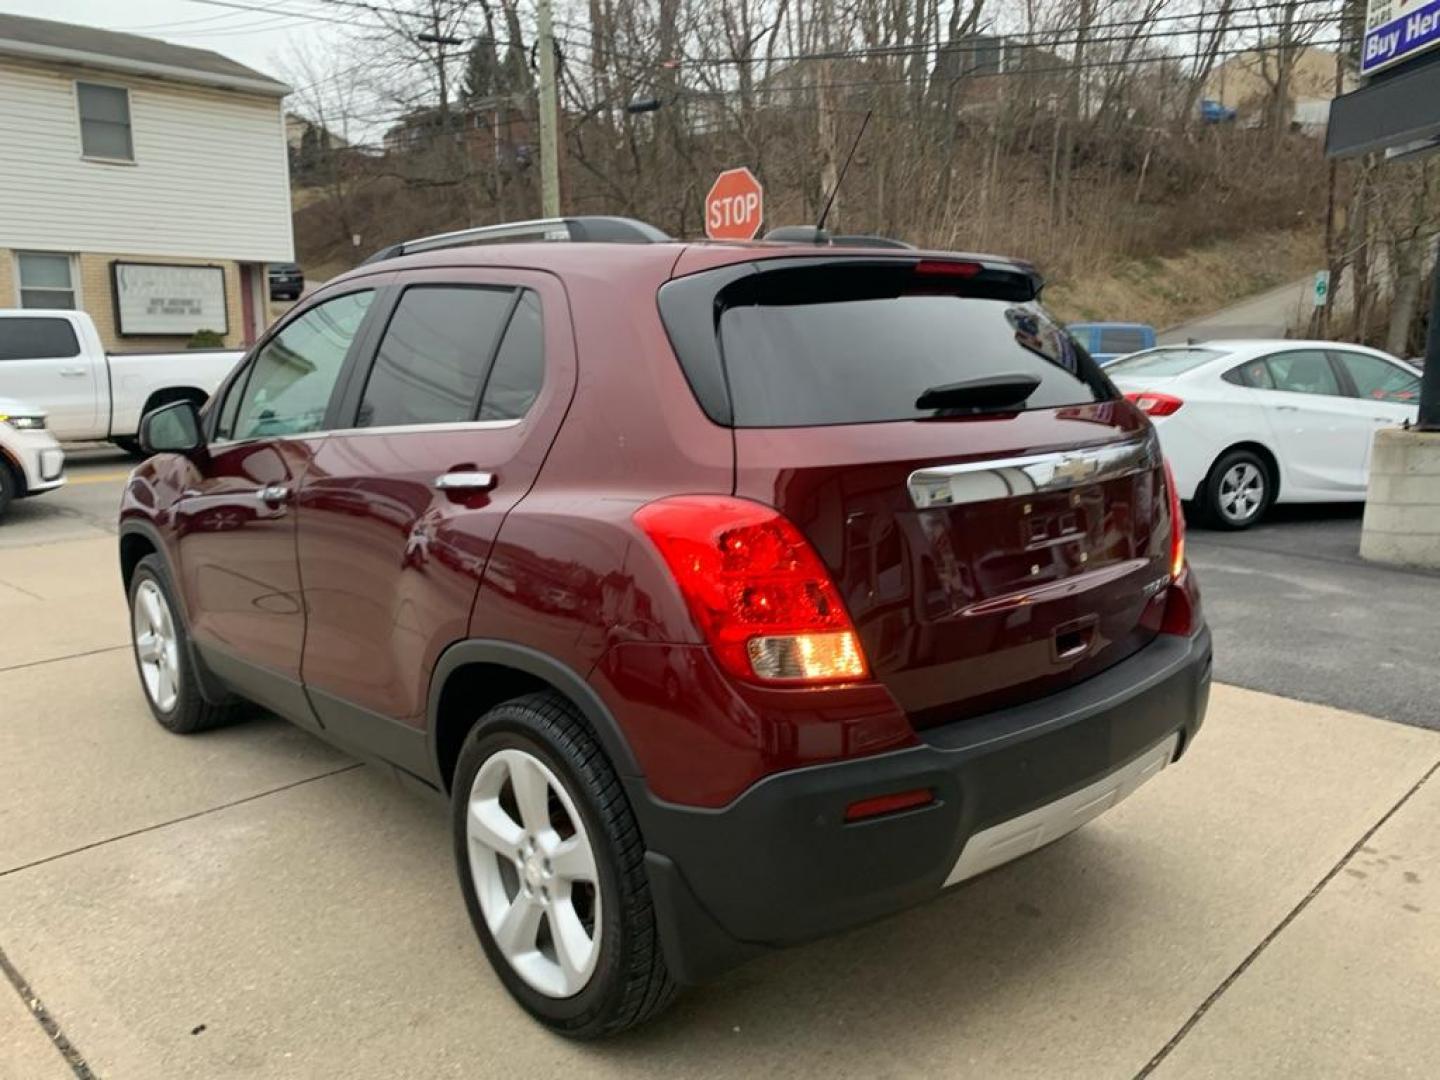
(251, 902)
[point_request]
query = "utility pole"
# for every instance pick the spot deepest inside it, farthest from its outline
(549, 118)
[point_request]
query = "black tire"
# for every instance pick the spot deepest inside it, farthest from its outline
(8, 487)
(130, 446)
(190, 712)
(1220, 508)
(630, 983)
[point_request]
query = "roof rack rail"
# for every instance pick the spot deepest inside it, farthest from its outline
(810, 234)
(589, 229)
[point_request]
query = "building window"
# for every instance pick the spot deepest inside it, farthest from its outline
(104, 122)
(46, 281)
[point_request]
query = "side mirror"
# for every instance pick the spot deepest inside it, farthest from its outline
(172, 429)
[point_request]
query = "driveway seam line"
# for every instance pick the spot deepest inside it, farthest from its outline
(184, 817)
(58, 659)
(22, 590)
(48, 1023)
(1279, 928)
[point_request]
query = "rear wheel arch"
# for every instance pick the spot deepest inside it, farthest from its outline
(472, 677)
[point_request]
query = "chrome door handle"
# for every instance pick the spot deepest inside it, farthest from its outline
(273, 493)
(72, 373)
(465, 481)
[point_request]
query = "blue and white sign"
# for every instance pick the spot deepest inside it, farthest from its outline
(1396, 30)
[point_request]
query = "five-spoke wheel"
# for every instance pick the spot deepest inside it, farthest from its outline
(534, 872)
(156, 648)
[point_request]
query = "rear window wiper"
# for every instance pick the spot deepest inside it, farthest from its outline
(986, 392)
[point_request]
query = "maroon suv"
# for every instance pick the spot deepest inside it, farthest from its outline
(733, 594)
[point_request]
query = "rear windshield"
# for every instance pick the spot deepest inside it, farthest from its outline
(1161, 362)
(1122, 339)
(852, 347)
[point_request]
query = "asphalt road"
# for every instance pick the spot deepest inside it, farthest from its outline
(1296, 612)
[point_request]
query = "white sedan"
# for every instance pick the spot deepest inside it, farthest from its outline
(31, 461)
(1249, 423)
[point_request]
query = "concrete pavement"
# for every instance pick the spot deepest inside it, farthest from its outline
(250, 903)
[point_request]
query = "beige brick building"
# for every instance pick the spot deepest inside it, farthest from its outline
(144, 183)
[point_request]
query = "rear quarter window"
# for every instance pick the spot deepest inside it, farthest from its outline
(832, 345)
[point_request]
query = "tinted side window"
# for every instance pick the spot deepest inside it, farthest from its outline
(1306, 371)
(292, 377)
(37, 339)
(1377, 380)
(519, 370)
(1122, 339)
(431, 362)
(1253, 373)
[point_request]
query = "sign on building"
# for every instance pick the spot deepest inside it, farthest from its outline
(152, 298)
(1396, 30)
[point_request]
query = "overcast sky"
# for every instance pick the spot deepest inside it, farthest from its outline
(254, 38)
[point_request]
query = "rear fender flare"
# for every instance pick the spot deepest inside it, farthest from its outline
(532, 662)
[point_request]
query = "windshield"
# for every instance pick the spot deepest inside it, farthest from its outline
(1162, 362)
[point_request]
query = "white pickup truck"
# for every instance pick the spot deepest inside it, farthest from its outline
(53, 359)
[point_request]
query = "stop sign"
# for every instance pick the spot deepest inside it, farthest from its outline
(735, 206)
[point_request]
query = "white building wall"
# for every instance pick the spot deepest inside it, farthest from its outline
(210, 178)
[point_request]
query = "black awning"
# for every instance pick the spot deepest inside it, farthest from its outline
(1392, 111)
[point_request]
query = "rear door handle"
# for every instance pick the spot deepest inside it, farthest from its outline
(72, 372)
(1287, 408)
(465, 481)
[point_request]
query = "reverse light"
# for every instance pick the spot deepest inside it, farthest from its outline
(1152, 403)
(757, 589)
(1177, 524)
(23, 423)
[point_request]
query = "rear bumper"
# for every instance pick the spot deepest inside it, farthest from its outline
(780, 865)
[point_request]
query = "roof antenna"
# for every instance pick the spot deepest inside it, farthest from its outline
(841, 178)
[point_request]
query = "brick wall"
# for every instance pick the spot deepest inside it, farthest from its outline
(97, 299)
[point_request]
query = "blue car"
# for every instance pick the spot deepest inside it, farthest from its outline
(1106, 342)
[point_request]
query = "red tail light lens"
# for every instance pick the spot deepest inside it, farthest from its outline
(1177, 524)
(1154, 404)
(757, 589)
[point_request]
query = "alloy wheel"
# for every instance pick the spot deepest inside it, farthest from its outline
(534, 870)
(1242, 492)
(156, 645)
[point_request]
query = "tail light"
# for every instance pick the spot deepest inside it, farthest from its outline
(757, 589)
(1177, 524)
(1154, 404)
(1181, 597)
